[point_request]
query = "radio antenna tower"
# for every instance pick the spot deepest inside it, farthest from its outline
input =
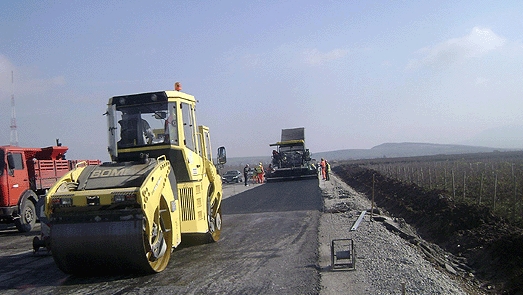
(14, 133)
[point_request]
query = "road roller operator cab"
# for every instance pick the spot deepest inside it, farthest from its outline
(160, 186)
(160, 123)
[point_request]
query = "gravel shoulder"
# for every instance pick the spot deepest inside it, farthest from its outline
(386, 263)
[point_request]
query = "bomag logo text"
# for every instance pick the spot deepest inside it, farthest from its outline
(107, 173)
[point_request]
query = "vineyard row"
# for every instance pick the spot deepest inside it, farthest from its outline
(495, 183)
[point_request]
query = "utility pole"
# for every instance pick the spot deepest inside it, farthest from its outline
(14, 133)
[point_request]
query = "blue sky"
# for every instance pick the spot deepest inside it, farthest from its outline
(355, 74)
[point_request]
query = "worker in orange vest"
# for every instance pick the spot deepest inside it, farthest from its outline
(323, 167)
(260, 173)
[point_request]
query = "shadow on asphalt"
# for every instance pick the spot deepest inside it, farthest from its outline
(15, 232)
(296, 195)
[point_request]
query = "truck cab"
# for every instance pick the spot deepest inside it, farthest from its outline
(19, 185)
(14, 182)
(25, 176)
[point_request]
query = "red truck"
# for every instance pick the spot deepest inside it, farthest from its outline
(25, 176)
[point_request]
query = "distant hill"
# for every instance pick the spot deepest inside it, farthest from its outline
(404, 149)
(385, 150)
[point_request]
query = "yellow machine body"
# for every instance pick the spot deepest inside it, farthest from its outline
(160, 186)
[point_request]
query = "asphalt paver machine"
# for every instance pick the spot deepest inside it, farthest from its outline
(290, 159)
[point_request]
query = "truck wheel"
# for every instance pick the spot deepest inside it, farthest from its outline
(27, 219)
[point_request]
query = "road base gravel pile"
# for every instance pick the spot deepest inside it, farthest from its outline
(390, 257)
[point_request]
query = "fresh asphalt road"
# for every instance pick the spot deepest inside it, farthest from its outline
(268, 245)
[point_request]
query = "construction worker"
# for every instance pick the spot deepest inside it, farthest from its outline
(322, 164)
(260, 173)
(254, 176)
(135, 130)
(327, 170)
(246, 173)
(276, 158)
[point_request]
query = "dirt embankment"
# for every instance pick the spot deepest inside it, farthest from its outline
(492, 247)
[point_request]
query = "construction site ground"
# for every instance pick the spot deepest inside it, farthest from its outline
(268, 245)
(390, 257)
(276, 240)
(386, 262)
(480, 252)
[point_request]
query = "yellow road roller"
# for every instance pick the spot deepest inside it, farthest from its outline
(160, 187)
